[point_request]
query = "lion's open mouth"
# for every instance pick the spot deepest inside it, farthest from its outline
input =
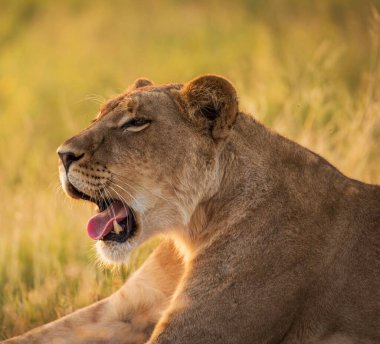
(115, 221)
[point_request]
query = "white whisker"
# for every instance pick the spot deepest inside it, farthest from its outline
(127, 182)
(123, 189)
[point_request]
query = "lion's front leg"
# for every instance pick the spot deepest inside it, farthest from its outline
(127, 316)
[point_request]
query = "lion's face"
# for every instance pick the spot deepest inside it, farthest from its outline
(148, 159)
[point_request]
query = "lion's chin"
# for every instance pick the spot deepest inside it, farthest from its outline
(112, 252)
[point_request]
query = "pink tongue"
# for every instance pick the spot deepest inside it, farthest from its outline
(101, 224)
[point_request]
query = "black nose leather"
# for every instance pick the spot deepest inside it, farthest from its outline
(68, 158)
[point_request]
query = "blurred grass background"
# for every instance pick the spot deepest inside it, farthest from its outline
(309, 69)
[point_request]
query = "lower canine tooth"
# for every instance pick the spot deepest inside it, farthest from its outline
(116, 227)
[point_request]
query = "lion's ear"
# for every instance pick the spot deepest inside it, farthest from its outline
(140, 82)
(212, 103)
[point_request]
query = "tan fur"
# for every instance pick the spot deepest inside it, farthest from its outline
(272, 243)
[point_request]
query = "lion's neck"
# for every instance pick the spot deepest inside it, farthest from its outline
(259, 167)
(242, 184)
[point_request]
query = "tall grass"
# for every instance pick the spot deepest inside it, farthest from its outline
(309, 69)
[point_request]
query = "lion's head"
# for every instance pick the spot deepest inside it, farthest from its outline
(148, 159)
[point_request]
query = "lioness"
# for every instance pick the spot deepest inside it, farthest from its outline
(264, 241)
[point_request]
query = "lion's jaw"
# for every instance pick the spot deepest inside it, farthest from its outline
(160, 168)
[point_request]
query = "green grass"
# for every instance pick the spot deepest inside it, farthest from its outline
(309, 69)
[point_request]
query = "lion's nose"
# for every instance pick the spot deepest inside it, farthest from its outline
(68, 158)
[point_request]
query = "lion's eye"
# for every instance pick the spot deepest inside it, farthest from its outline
(136, 124)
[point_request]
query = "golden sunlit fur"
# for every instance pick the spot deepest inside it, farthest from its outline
(264, 241)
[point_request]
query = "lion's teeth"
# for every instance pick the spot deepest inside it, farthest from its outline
(116, 227)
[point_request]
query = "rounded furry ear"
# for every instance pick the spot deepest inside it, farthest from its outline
(140, 82)
(212, 103)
